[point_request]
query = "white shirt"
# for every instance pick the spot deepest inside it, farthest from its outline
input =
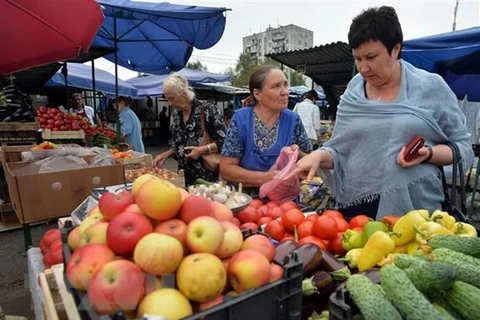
(89, 112)
(310, 115)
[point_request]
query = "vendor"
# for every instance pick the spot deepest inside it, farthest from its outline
(131, 126)
(385, 105)
(81, 109)
(260, 130)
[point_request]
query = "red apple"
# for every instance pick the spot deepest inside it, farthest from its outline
(249, 225)
(117, 285)
(134, 208)
(125, 230)
(248, 269)
(261, 244)
(184, 193)
(232, 240)
(205, 305)
(194, 207)
(276, 272)
(111, 204)
(236, 221)
(174, 228)
(221, 212)
(204, 234)
(85, 261)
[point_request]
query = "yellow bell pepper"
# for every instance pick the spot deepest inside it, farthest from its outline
(388, 259)
(352, 256)
(403, 248)
(413, 247)
(464, 230)
(429, 229)
(378, 246)
(404, 228)
(443, 218)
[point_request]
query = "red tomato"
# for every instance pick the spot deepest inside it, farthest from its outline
(288, 236)
(263, 210)
(342, 224)
(288, 205)
(275, 229)
(256, 203)
(272, 204)
(359, 221)
(263, 220)
(359, 229)
(249, 225)
(304, 229)
(293, 217)
(249, 214)
(327, 244)
(314, 240)
(312, 217)
(236, 221)
(275, 212)
(325, 227)
(56, 255)
(50, 236)
(336, 244)
(332, 213)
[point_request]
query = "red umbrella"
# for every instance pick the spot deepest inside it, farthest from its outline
(35, 33)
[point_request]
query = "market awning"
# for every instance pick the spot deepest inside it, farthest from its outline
(157, 38)
(80, 76)
(152, 85)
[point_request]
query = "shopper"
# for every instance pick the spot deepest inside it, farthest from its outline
(186, 130)
(310, 115)
(258, 131)
(383, 108)
(131, 126)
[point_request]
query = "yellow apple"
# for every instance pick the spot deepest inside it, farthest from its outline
(204, 234)
(140, 181)
(89, 221)
(158, 254)
(74, 238)
(158, 199)
(96, 233)
(232, 240)
(168, 303)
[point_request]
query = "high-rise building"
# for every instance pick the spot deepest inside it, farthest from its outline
(283, 38)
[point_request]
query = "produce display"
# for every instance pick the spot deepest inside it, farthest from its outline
(51, 247)
(133, 175)
(46, 145)
(219, 192)
(15, 106)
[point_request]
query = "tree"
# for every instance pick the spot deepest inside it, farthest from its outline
(242, 71)
(296, 79)
(196, 65)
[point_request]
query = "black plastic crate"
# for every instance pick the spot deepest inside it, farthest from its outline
(341, 306)
(279, 300)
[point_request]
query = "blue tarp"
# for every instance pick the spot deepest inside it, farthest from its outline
(152, 85)
(157, 38)
(80, 76)
(453, 55)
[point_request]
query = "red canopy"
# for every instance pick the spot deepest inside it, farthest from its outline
(34, 33)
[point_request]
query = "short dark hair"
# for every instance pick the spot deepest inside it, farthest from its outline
(76, 95)
(377, 24)
(311, 94)
(257, 79)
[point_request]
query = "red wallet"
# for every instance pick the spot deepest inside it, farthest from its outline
(411, 150)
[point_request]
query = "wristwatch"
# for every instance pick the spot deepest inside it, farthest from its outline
(430, 154)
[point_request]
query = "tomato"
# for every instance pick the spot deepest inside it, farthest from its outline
(56, 254)
(312, 217)
(314, 240)
(342, 224)
(275, 229)
(293, 217)
(336, 246)
(47, 260)
(288, 236)
(249, 214)
(325, 227)
(272, 204)
(50, 236)
(332, 213)
(288, 205)
(359, 221)
(275, 213)
(249, 225)
(256, 203)
(327, 244)
(263, 220)
(304, 229)
(263, 210)
(359, 229)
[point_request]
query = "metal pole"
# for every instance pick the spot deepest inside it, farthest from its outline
(455, 15)
(115, 42)
(94, 89)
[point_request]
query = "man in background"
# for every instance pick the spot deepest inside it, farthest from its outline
(81, 109)
(310, 115)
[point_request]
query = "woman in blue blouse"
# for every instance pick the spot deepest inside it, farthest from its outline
(259, 131)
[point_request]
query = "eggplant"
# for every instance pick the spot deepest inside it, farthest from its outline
(335, 267)
(310, 255)
(283, 250)
(320, 283)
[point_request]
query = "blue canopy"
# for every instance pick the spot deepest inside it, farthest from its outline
(80, 76)
(453, 55)
(152, 85)
(157, 37)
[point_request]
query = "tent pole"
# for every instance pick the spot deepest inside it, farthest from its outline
(115, 42)
(65, 74)
(93, 88)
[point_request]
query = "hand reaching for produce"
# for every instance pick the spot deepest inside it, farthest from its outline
(160, 159)
(194, 152)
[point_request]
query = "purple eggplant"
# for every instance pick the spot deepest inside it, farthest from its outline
(310, 255)
(283, 250)
(337, 269)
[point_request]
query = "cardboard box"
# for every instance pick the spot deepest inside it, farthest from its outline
(39, 197)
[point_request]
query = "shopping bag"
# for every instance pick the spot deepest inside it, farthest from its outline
(279, 189)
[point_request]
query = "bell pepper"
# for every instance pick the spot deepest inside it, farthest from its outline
(371, 227)
(378, 246)
(413, 247)
(390, 221)
(402, 249)
(429, 229)
(351, 258)
(443, 218)
(404, 231)
(464, 230)
(352, 239)
(388, 259)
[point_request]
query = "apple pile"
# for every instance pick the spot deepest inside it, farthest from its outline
(51, 248)
(129, 245)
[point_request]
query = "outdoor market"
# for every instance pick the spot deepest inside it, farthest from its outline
(338, 181)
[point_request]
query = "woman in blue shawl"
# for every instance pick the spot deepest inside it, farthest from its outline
(260, 130)
(384, 107)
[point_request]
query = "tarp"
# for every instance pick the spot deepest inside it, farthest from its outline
(80, 76)
(157, 38)
(152, 85)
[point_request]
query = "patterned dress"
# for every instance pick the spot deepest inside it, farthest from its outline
(190, 134)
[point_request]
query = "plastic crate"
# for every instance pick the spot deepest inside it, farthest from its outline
(341, 306)
(279, 300)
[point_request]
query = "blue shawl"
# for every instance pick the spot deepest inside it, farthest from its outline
(368, 135)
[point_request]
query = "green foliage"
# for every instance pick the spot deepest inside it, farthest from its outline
(196, 65)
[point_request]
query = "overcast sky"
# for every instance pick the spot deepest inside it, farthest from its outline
(329, 21)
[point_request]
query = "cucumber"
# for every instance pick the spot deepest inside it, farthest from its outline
(431, 278)
(459, 256)
(444, 312)
(465, 271)
(404, 261)
(465, 299)
(466, 245)
(403, 294)
(370, 299)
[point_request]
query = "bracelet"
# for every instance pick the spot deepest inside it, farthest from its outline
(430, 154)
(209, 148)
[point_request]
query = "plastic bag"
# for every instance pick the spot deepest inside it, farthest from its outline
(278, 189)
(102, 159)
(55, 164)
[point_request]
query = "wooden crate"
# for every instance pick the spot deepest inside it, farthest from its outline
(58, 302)
(142, 161)
(13, 153)
(19, 126)
(48, 134)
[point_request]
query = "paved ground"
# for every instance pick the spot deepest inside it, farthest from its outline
(15, 298)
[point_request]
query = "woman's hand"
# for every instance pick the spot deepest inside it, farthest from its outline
(307, 166)
(422, 155)
(161, 158)
(269, 175)
(195, 152)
